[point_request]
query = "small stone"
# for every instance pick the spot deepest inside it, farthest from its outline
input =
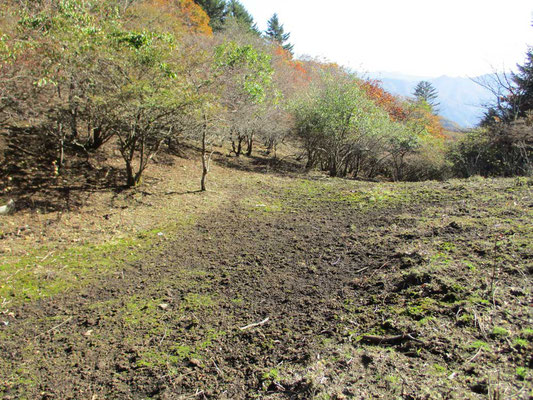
(88, 333)
(195, 362)
(163, 306)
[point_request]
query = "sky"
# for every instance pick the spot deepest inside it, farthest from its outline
(424, 38)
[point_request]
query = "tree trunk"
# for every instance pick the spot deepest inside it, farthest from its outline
(130, 177)
(238, 152)
(61, 160)
(205, 158)
(250, 145)
(97, 139)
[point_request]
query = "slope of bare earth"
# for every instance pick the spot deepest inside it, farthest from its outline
(271, 286)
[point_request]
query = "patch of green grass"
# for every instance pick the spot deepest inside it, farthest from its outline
(269, 377)
(466, 318)
(478, 344)
(44, 272)
(478, 300)
(159, 359)
(182, 351)
(139, 311)
(195, 301)
(519, 342)
(527, 333)
(498, 331)
(237, 301)
(521, 372)
(420, 309)
(439, 369)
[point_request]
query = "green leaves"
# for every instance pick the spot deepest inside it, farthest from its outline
(251, 67)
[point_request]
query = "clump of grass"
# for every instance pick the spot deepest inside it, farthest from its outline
(498, 331)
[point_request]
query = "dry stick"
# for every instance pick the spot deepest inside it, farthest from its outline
(255, 324)
(55, 327)
(390, 339)
(475, 355)
(216, 367)
(163, 338)
(377, 269)
(48, 255)
(477, 322)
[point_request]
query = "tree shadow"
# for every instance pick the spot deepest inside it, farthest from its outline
(29, 173)
(261, 164)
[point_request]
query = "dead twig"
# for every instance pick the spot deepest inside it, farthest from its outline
(46, 256)
(336, 262)
(55, 327)
(219, 372)
(475, 355)
(255, 324)
(397, 339)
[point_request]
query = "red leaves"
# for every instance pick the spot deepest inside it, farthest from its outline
(385, 100)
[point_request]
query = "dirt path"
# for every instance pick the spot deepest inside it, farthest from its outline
(325, 270)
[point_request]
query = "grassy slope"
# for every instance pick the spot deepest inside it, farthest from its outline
(149, 303)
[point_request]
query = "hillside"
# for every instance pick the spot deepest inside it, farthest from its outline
(461, 99)
(189, 211)
(273, 285)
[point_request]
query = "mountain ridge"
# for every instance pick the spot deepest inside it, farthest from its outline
(461, 99)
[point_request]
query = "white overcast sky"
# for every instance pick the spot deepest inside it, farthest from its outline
(415, 37)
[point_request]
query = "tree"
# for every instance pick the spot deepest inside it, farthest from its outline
(235, 10)
(144, 90)
(276, 33)
(424, 91)
(344, 132)
(247, 85)
(505, 146)
(523, 96)
(216, 10)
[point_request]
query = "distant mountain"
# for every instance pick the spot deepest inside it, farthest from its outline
(460, 99)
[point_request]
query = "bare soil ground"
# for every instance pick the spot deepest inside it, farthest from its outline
(271, 286)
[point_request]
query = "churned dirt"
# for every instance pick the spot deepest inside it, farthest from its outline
(272, 286)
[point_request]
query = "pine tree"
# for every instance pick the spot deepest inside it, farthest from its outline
(276, 33)
(216, 10)
(237, 11)
(424, 91)
(523, 99)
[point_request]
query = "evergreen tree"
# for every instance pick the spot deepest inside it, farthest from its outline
(523, 97)
(216, 10)
(236, 10)
(276, 33)
(424, 91)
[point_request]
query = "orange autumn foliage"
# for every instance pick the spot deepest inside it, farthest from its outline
(384, 99)
(179, 14)
(300, 75)
(198, 20)
(434, 126)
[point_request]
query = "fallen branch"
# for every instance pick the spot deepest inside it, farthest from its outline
(255, 324)
(398, 339)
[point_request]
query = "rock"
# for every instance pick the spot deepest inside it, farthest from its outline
(195, 362)
(163, 306)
